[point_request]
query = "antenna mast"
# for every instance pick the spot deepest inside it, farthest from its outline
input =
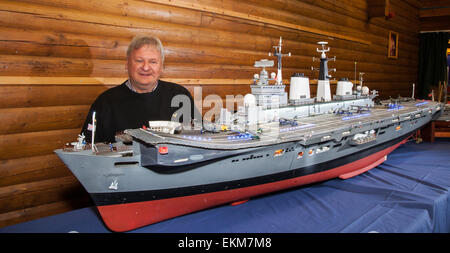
(279, 55)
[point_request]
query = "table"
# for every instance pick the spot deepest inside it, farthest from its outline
(409, 193)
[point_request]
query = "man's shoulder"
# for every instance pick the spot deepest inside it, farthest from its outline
(110, 95)
(114, 91)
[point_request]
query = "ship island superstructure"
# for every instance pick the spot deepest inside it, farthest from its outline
(274, 141)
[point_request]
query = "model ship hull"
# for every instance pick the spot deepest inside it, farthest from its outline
(128, 216)
(143, 187)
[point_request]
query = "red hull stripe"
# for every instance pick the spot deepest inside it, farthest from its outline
(360, 171)
(124, 217)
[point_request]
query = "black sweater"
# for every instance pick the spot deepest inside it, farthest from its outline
(119, 108)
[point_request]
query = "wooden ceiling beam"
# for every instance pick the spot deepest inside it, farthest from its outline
(434, 12)
(416, 3)
(377, 8)
(427, 4)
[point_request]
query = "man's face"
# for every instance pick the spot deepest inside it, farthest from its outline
(144, 68)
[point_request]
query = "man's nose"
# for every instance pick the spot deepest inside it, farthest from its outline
(146, 66)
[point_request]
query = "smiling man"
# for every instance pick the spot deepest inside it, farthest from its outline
(142, 98)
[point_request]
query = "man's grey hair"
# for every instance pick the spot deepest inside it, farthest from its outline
(142, 40)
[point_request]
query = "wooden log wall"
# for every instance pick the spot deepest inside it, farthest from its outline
(434, 15)
(56, 56)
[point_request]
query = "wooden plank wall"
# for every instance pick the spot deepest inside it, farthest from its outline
(56, 56)
(434, 15)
